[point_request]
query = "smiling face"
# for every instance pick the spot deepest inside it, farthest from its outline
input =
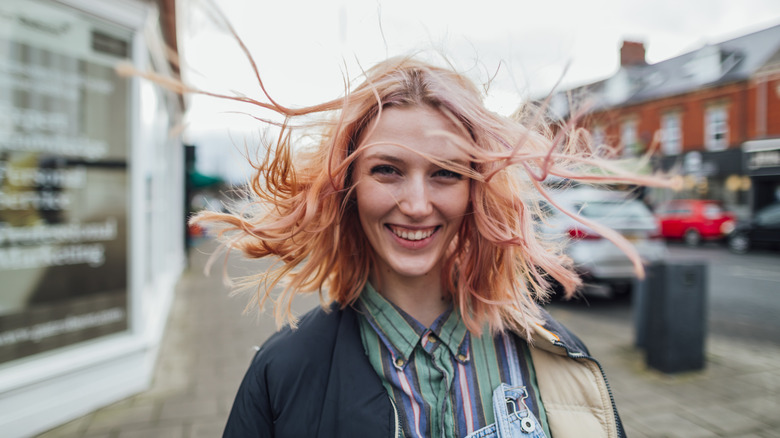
(410, 209)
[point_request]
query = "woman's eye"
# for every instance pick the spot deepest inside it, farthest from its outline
(448, 174)
(383, 169)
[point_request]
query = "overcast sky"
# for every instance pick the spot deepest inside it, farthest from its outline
(304, 48)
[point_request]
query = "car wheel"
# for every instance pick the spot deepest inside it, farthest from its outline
(692, 237)
(739, 243)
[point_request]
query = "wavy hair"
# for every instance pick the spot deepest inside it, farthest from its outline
(303, 213)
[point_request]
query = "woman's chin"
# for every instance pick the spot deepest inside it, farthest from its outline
(412, 269)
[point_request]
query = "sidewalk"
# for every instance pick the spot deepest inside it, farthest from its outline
(208, 345)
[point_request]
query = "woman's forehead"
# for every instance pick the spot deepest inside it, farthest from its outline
(416, 128)
(401, 154)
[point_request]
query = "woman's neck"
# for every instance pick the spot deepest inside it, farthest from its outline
(421, 297)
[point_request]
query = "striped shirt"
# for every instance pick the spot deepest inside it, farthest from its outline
(441, 377)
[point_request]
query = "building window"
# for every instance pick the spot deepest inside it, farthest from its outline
(671, 134)
(629, 139)
(716, 128)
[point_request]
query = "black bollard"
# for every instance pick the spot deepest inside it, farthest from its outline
(639, 306)
(670, 312)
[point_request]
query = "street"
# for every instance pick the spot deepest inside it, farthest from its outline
(743, 297)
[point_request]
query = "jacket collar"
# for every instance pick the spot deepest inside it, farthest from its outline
(553, 337)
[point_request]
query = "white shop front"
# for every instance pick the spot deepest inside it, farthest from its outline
(91, 239)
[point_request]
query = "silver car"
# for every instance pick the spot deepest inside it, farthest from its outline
(605, 268)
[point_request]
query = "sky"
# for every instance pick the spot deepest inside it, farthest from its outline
(304, 49)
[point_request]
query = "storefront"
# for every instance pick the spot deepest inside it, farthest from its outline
(90, 249)
(711, 175)
(762, 164)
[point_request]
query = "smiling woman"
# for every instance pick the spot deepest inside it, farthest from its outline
(410, 208)
(413, 218)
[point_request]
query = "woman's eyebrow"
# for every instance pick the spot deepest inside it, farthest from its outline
(396, 160)
(385, 157)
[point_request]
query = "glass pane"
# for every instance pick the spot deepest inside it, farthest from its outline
(602, 209)
(64, 156)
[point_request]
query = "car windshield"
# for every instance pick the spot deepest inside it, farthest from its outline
(712, 211)
(612, 209)
(769, 215)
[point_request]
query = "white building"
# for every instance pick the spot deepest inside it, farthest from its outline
(90, 247)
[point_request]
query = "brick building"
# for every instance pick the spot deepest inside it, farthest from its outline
(714, 114)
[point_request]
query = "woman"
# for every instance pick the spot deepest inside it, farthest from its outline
(412, 216)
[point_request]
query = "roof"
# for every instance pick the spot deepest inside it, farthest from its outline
(772, 65)
(729, 61)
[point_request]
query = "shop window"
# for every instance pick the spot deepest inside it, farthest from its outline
(716, 126)
(671, 134)
(64, 276)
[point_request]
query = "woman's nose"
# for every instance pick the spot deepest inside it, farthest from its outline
(415, 200)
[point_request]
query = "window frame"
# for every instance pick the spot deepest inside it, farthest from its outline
(671, 133)
(716, 128)
(629, 149)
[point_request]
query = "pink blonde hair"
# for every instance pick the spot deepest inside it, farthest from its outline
(303, 211)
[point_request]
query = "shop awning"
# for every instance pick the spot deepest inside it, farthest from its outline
(200, 180)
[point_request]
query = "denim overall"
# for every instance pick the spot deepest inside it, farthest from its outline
(513, 418)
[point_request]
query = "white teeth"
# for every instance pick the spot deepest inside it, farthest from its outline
(413, 235)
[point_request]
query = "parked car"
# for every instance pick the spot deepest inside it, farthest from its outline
(599, 261)
(694, 220)
(762, 230)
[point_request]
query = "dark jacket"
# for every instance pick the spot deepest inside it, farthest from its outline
(316, 381)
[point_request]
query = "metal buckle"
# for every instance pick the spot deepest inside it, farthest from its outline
(513, 401)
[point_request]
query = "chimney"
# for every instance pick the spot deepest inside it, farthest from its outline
(632, 53)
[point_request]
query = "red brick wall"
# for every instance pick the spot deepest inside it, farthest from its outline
(771, 87)
(739, 98)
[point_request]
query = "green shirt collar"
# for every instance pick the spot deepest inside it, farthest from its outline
(401, 333)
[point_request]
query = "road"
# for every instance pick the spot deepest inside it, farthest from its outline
(743, 297)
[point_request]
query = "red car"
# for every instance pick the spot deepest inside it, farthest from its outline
(694, 220)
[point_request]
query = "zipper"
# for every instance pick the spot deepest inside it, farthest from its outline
(398, 431)
(620, 431)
